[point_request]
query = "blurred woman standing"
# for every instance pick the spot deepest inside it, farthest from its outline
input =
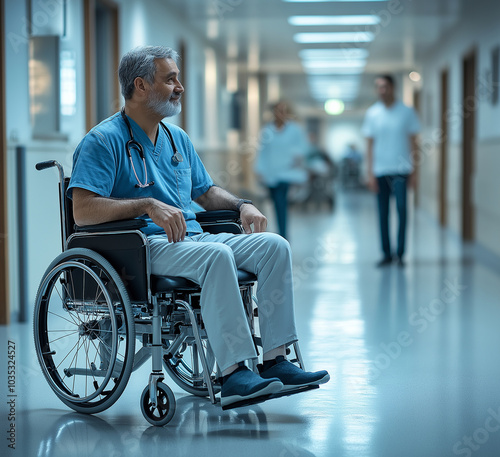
(283, 145)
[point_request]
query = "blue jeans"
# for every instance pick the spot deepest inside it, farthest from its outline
(388, 185)
(279, 196)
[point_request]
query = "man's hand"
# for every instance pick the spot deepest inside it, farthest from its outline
(412, 181)
(249, 214)
(372, 183)
(169, 218)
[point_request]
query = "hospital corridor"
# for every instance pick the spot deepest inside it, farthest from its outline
(366, 132)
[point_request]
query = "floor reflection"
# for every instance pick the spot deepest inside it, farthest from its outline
(198, 427)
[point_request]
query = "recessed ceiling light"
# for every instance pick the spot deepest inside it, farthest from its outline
(334, 107)
(334, 37)
(340, 79)
(415, 76)
(334, 71)
(334, 20)
(334, 63)
(346, 85)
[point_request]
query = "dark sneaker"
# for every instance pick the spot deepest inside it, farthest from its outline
(243, 387)
(384, 262)
(291, 375)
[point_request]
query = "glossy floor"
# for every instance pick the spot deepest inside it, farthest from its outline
(413, 354)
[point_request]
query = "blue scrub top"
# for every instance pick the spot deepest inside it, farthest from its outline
(101, 165)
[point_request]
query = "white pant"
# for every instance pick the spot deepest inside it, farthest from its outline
(212, 262)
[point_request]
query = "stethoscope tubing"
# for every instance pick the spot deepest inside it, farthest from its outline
(133, 144)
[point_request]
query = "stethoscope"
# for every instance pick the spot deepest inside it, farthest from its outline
(133, 144)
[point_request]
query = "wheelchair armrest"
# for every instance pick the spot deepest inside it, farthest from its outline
(220, 221)
(213, 217)
(115, 226)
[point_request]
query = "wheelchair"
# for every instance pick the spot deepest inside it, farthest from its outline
(100, 314)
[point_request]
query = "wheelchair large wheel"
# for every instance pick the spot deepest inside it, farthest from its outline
(84, 330)
(185, 368)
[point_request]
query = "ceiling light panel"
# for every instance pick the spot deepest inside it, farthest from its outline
(334, 20)
(333, 54)
(334, 71)
(334, 37)
(325, 81)
(333, 91)
(333, 64)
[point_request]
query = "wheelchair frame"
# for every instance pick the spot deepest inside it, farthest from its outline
(101, 291)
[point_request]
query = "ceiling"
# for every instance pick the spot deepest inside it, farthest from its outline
(258, 35)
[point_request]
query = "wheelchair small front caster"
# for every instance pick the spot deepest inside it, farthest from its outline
(164, 410)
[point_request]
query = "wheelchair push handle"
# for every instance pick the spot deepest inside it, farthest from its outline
(47, 164)
(62, 190)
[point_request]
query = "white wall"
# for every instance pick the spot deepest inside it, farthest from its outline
(16, 72)
(477, 30)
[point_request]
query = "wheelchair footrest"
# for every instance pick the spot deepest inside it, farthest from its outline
(249, 402)
(298, 390)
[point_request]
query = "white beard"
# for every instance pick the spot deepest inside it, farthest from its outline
(164, 108)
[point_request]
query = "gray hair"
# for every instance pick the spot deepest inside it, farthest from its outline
(140, 63)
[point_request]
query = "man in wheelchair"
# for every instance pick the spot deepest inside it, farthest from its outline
(132, 165)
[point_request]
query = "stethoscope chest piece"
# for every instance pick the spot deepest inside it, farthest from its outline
(177, 157)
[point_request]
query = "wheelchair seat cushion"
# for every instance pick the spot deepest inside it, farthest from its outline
(244, 277)
(161, 284)
(170, 283)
